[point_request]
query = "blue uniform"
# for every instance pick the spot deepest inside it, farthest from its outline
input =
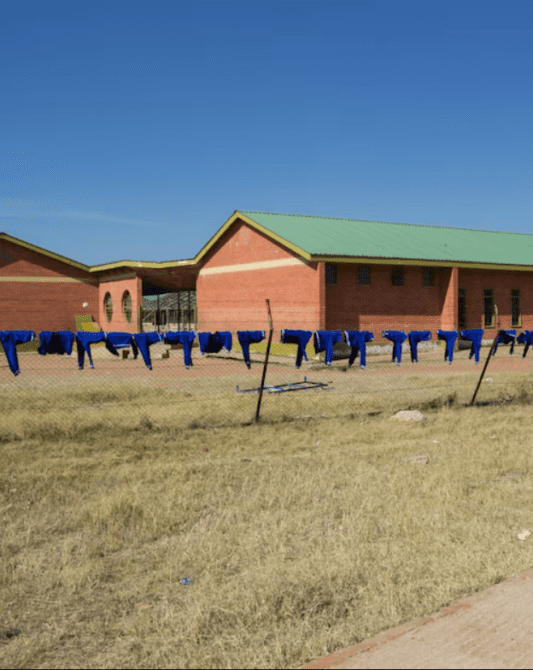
(475, 336)
(505, 337)
(247, 337)
(416, 336)
(357, 340)
(324, 341)
(449, 336)
(84, 339)
(299, 337)
(212, 343)
(525, 337)
(144, 341)
(10, 339)
(116, 341)
(398, 337)
(185, 338)
(56, 342)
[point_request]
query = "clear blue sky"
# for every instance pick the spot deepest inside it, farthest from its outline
(133, 130)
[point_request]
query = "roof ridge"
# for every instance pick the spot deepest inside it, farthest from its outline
(390, 223)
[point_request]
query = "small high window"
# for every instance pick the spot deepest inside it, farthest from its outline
(428, 277)
(516, 308)
(126, 306)
(331, 273)
(397, 276)
(108, 306)
(488, 308)
(363, 275)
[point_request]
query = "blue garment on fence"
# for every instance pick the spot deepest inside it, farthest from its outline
(357, 340)
(525, 337)
(10, 339)
(416, 336)
(56, 342)
(398, 337)
(116, 341)
(247, 337)
(475, 335)
(84, 339)
(449, 336)
(505, 337)
(212, 343)
(185, 338)
(299, 337)
(144, 342)
(324, 341)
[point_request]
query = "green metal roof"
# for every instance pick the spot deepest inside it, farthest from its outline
(321, 236)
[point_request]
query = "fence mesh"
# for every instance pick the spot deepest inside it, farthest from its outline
(220, 389)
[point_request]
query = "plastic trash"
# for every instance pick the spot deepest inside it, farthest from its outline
(523, 534)
(185, 581)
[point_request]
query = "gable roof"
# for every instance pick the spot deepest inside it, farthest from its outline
(344, 239)
(43, 252)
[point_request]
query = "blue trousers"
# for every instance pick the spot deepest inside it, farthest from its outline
(212, 343)
(450, 336)
(59, 342)
(84, 340)
(505, 337)
(10, 339)
(525, 337)
(398, 337)
(116, 341)
(299, 337)
(324, 341)
(475, 336)
(185, 338)
(357, 339)
(247, 337)
(416, 336)
(143, 342)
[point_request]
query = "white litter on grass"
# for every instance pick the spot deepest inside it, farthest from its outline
(523, 534)
(489, 379)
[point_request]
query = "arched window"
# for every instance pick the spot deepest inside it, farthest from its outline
(108, 306)
(126, 306)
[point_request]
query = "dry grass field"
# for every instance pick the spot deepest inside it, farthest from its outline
(312, 529)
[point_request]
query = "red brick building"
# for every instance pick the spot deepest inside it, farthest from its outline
(318, 273)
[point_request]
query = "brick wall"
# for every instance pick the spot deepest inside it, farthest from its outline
(117, 285)
(233, 298)
(40, 293)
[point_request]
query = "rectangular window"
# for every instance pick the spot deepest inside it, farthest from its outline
(462, 308)
(397, 276)
(363, 275)
(488, 308)
(516, 309)
(428, 277)
(331, 273)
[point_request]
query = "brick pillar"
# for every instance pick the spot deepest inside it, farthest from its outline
(321, 269)
(449, 319)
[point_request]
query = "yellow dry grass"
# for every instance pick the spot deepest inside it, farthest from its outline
(298, 534)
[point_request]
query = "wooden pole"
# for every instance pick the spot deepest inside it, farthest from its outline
(265, 365)
(497, 319)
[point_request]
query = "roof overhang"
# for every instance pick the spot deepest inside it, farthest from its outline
(44, 252)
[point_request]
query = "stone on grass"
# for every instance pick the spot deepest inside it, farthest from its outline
(409, 415)
(421, 460)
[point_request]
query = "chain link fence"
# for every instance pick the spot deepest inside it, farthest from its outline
(219, 389)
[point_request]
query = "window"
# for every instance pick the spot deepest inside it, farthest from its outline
(397, 276)
(462, 308)
(126, 306)
(488, 308)
(331, 274)
(363, 275)
(516, 309)
(428, 277)
(108, 306)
